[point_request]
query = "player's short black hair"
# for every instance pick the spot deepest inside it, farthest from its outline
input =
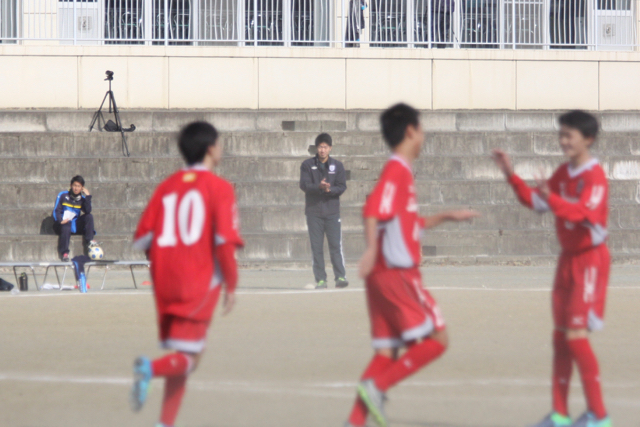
(324, 137)
(394, 122)
(195, 139)
(586, 123)
(77, 178)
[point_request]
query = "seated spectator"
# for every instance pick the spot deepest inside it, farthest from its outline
(72, 215)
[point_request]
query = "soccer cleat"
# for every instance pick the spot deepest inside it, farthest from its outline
(65, 257)
(374, 399)
(141, 380)
(341, 282)
(554, 419)
(322, 284)
(589, 420)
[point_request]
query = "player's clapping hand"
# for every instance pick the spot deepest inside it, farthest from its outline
(366, 263)
(228, 303)
(503, 161)
(325, 186)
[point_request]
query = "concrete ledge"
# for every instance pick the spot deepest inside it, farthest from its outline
(306, 120)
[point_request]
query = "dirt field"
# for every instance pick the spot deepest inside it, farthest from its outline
(288, 357)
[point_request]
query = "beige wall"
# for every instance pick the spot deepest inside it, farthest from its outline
(317, 78)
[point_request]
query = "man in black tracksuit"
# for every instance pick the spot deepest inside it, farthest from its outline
(323, 180)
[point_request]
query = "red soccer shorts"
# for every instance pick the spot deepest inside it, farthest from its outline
(400, 309)
(185, 334)
(580, 289)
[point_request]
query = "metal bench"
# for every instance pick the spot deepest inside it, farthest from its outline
(32, 266)
(47, 265)
(107, 263)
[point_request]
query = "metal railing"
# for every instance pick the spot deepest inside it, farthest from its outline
(501, 24)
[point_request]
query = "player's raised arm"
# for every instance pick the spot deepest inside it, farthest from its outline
(528, 196)
(594, 193)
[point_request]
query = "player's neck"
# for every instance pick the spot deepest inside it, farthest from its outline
(209, 163)
(404, 155)
(406, 150)
(580, 159)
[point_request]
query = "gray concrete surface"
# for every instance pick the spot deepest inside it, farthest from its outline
(263, 155)
(288, 357)
(269, 120)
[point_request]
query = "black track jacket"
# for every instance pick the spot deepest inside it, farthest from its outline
(319, 203)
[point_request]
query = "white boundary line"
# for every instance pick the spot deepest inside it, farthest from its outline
(346, 390)
(57, 293)
(264, 385)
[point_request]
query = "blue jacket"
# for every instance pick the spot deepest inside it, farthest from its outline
(66, 202)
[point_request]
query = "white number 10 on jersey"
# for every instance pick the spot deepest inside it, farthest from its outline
(190, 213)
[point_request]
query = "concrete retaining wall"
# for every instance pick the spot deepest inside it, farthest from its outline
(158, 77)
(41, 150)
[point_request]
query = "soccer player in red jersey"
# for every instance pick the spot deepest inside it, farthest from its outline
(190, 232)
(577, 195)
(401, 311)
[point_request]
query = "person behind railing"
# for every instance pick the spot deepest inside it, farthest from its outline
(567, 23)
(72, 215)
(355, 21)
(441, 13)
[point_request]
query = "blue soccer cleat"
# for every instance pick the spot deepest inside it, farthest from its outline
(141, 380)
(554, 419)
(588, 419)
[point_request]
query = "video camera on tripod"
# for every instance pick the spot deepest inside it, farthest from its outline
(110, 126)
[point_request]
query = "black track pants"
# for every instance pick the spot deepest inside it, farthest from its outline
(332, 227)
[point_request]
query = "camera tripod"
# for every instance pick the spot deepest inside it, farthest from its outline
(109, 126)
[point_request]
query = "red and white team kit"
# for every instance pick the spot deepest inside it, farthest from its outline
(186, 297)
(579, 202)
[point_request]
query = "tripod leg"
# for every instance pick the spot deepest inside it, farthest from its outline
(125, 147)
(116, 113)
(98, 113)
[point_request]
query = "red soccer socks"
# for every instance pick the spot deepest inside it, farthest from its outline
(377, 365)
(562, 366)
(171, 365)
(589, 373)
(174, 388)
(415, 358)
(175, 367)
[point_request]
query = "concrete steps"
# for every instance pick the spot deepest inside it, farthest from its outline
(40, 151)
(290, 219)
(284, 143)
(117, 195)
(262, 248)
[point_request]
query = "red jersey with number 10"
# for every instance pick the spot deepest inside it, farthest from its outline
(393, 203)
(579, 201)
(190, 213)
